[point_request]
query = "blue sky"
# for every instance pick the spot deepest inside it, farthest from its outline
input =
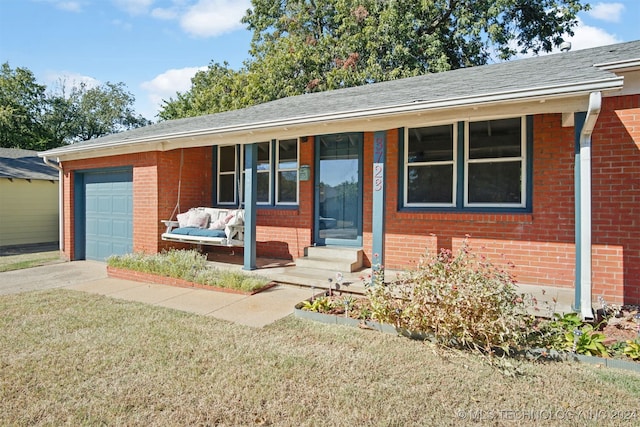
(156, 46)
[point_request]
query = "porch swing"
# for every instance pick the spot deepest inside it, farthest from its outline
(204, 225)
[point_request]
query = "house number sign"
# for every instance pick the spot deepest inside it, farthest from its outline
(378, 163)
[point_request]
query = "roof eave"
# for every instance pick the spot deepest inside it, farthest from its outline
(555, 92)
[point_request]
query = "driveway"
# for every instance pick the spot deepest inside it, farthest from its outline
(51, 276)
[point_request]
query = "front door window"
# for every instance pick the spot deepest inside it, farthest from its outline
(339, 196)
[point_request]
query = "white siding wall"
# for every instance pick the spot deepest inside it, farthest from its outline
(28, 212)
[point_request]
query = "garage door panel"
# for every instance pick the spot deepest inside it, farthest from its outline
(104, 204)
(104, 227)
(121, 229)
(109, 214)
(92, 226)
(121, 206)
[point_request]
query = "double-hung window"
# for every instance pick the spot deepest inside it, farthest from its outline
(495, 163)
(287, 172)
(263, 170)
(472, 165)
(430, 166)
(276, 169)
(227, 191)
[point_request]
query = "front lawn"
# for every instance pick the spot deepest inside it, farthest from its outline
(79, 359)
(28, 260)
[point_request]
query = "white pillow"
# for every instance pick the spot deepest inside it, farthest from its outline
(217, 224)
(183, 219)
(198, 219)
(238, 218)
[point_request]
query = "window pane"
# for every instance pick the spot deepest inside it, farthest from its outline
(263, 187)
(430, 184)
(288, 154)
(495, 139)
(287, 186)
(226, 185)
(495, 182)
(264, 156)
(227, 158)
(430, 144)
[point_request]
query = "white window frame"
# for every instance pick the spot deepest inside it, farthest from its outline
(268, 171)
(453, 162)
(277, 171)
(234, 173)
(523, 165)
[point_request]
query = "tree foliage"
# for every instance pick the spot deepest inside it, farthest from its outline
(302, 46)
(218, 88)
(21, 109)
(99, 111)
(33, 118)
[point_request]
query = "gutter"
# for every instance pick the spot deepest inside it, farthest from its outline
(414, 106)
(60, 201)
(583, 205)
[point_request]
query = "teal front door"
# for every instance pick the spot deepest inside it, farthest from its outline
(338, 207)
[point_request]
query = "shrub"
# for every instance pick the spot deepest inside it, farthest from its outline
(189, 265)
(460, 300)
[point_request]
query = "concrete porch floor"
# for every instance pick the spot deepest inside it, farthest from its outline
(548, 299)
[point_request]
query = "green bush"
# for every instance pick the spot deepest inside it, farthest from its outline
(189, 265)
(460, 300)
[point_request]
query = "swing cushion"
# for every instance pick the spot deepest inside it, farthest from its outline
(195, 230)
(200, 232)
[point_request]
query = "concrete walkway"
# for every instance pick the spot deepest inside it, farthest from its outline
(90, 276)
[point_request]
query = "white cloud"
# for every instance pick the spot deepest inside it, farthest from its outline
(586, 36)
(165, 85)
(610, 12)
(164, 14)
(210, 18)
(68, 5)
(134, 7)
(71, 6)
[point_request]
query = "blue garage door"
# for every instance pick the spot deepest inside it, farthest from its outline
(108, 214)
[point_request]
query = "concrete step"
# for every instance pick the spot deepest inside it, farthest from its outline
(319, 279)
(331, 258)
(329, 264)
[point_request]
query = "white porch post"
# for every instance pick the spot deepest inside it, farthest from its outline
(250, 200)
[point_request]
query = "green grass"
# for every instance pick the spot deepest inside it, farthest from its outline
(80, 359)
(27, 261)
(189, 265)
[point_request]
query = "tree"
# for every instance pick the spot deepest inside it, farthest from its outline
(22, 101)
(96, 111)
(216, 89)
(301, 46)
(307, 45)
(32, 118)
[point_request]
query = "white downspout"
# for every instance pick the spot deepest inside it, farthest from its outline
(595, 104)
(60, 202)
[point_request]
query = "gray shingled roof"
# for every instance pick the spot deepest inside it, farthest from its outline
(557, 73)
(24, 164)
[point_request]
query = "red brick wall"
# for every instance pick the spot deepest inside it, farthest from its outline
(195, 183)
(541, 244)
(155, 187)
(616, 200)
